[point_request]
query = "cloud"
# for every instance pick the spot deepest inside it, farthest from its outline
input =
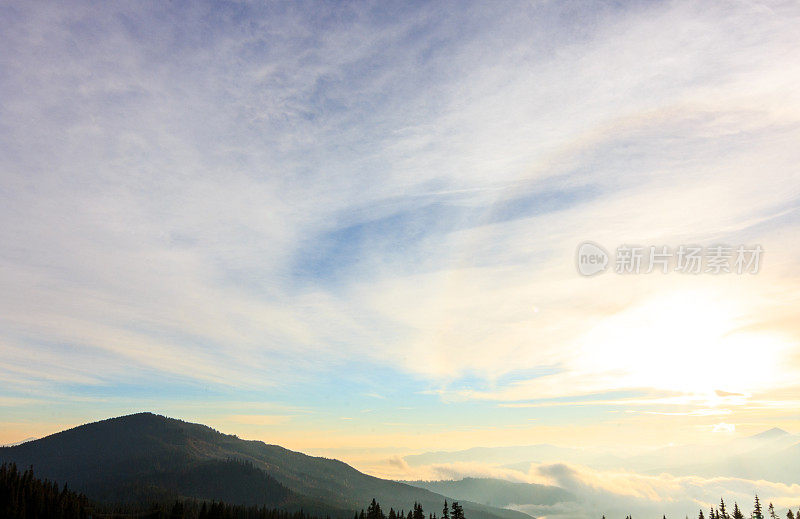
(270, 202)
(723, 427)
(620, 493)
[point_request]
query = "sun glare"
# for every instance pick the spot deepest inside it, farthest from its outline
(688, 342)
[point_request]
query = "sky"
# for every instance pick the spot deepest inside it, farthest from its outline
(351, 228)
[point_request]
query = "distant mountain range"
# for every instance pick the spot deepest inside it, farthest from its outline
(18, 443)
(513, 456)
(146, 456)
(497, 492)
(773, 455)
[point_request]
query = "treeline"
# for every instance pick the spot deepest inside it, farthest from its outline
(374, 511)
(723, 512)
(191, 509)
(23, 496)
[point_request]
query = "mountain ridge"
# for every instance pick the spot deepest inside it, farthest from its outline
(149, 454)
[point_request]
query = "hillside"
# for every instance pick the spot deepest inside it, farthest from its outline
(144, 455)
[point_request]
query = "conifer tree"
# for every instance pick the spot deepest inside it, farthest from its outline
(772, 514)
(757, 509)
(374, 510)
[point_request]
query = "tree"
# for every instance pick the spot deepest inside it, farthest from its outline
(701, 516)
(772, 514)
(721, 512)
(374, 511)
(457, 511)
(757, 509)
(177, 511)
(737, 514)
(445, 511)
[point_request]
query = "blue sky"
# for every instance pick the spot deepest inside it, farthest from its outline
(349, 228)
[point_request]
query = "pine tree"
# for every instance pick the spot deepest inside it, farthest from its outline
(457, 511)
(789, 514)
(445, 511)
(721, 512)
(757, 509)
(374, 510)
(772, 514)
(177, 511)
(737, 514)
(701, 516)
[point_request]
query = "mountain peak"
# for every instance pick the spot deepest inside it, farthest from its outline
(770, 434)
(166, 456)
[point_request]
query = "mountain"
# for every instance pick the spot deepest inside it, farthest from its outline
(150, 456)
(771, 434)
(18, 443)
(515, 457)
(772, 455)
(497, 492)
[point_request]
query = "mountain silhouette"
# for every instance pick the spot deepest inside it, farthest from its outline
(146, 456)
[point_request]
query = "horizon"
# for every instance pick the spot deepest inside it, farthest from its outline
(566, 481)
(763, 433)
(371, 230)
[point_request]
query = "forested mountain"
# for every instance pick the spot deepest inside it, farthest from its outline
(146, 456)
(25, 496)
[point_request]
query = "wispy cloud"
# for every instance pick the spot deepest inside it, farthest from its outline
(244, 199)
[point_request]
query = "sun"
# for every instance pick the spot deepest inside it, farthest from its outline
(689, 342)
